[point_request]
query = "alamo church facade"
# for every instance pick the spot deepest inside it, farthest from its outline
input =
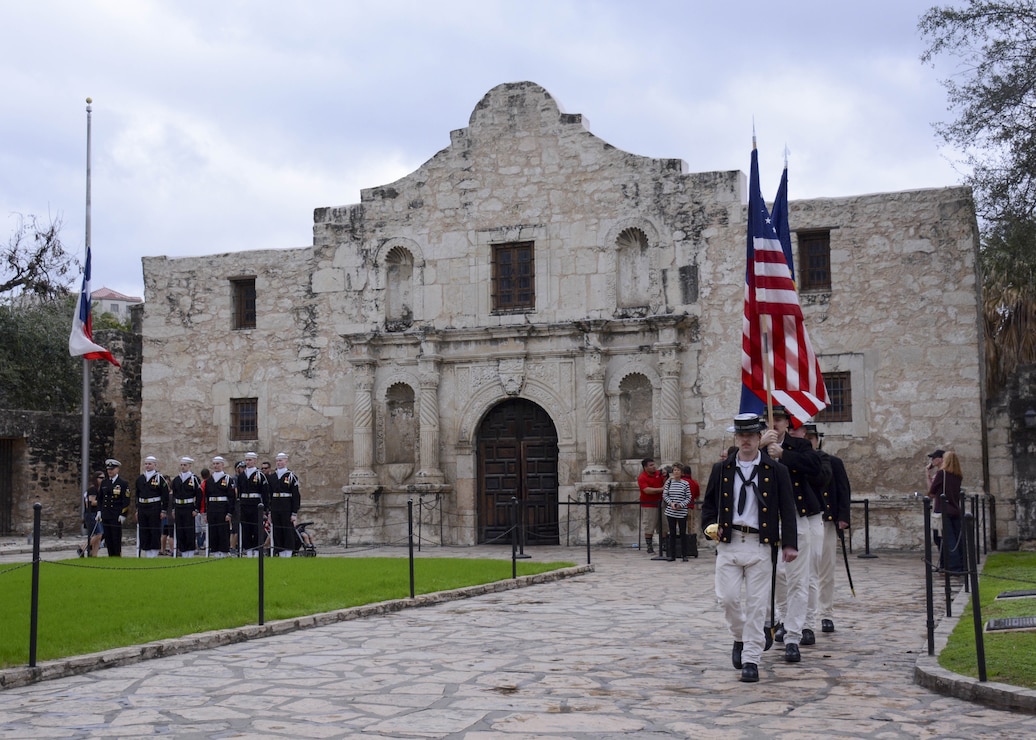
(532, 311)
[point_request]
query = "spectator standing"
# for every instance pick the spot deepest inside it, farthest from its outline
(693, 512)
(152, 499)
(113, 500)
(676, 492)
(650, 482)
(285, 501)
(92, 525)
(946, 492)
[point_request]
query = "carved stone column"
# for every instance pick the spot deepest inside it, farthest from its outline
(429, 378)
(670, 436)
(363, 425)
(596, 419)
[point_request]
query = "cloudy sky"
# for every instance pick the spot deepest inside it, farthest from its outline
(219, 125)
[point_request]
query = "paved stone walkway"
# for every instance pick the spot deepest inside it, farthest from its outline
(634, 649)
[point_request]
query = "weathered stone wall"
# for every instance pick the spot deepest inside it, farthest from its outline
(1012, 461)
(46, 466)
(639, 275)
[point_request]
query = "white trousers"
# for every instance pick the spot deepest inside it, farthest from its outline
(793, 580)
(827, 564)
(744, 564)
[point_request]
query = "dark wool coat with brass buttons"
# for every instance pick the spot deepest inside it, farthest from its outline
(776, 506)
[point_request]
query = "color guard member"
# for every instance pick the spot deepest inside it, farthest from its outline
(748, 509)
(152, 499)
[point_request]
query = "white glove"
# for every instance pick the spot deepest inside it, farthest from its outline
(98, 517)
(712, 531)
(122, 519)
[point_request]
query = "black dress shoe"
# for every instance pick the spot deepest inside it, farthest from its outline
(826, 625)
(791, 653)
(750, 673)
(808, 638)
(735, 654)
(779, 633)
(767, 637)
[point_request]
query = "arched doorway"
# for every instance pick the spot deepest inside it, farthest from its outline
(517, 447)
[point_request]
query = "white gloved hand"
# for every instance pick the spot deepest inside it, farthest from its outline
(712, 532)
(98, 517)
(122, 519)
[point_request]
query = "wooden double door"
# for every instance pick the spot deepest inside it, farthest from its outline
(518, 459)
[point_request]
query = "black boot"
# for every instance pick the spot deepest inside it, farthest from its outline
(692, 545)
(683, 548)
(672, 548)
(651, 550)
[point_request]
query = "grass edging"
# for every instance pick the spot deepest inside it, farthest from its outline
(930, 675)
(80, 664)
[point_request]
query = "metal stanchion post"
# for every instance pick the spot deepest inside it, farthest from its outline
(866, 530)
(587, 527)
(514, 537)
(410, 540)
(929, 586)
(521, 531)
(34, 604)
(262, 594)
(971, 553)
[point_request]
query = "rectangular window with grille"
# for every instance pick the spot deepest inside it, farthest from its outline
(244, 302)
(814, 260)
(840, 398)
(244, 418)
(514, 277)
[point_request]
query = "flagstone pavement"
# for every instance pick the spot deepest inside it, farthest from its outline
(632, 648)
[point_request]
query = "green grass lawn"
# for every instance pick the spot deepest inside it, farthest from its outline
(1010, 656)
(96, 604)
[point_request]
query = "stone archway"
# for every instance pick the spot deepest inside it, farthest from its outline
(517, 457)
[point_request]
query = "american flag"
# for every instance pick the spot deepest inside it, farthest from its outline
(81, 340)
(772, 309)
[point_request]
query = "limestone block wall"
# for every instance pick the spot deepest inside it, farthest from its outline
(638, 270)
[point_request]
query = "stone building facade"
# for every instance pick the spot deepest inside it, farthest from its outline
(532, 311)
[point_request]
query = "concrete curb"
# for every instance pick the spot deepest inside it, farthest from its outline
(929, 674)
(80, 664)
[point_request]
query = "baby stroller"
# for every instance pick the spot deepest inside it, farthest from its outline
(304, 547)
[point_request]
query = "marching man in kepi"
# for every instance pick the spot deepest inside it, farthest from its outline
(749, 510)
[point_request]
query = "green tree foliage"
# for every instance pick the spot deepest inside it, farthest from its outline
(993, 95)
(36, 371)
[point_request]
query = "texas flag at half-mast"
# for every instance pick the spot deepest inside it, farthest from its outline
(784, 365)
(81, 340)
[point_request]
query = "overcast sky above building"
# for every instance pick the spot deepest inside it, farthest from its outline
(219, 125)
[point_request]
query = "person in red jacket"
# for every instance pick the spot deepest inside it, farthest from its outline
(650, 481)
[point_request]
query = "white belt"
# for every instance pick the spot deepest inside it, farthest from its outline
(217, 498)
(184, 501)
(251, 495)
(150, 500)
(282, 495)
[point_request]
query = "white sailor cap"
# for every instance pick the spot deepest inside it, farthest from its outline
(251, 455)
(281, 456)
(218, 458)
(186, 459)
(150, 458)
(111, 462)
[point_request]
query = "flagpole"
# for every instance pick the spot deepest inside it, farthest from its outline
(84, 464)
(767, 370)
